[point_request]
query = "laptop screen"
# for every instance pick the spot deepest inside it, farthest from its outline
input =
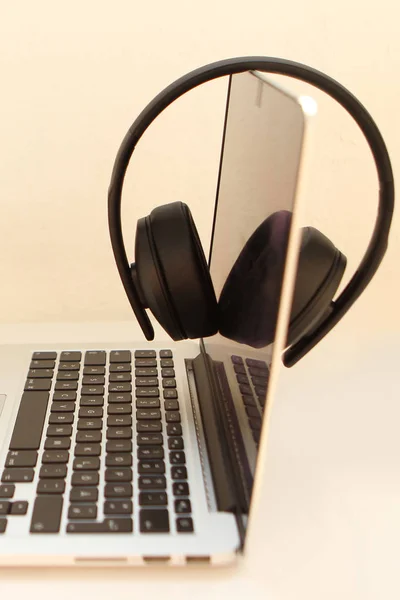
(258, 175)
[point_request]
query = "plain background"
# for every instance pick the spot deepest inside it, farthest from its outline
(75, 75)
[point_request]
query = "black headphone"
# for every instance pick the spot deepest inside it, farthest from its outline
(170, 275)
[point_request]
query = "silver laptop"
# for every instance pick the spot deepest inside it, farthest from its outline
(135, 454)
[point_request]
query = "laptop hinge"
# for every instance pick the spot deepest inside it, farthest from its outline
(215, 433)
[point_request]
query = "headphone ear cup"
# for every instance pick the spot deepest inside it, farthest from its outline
(250, 298)
(173, 275)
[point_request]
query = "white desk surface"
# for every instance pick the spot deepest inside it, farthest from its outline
(332, 509)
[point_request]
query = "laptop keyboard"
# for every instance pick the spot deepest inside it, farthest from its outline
(252, 378)
(88, 470)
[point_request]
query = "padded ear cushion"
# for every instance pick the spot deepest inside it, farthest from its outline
(249, 301)
(173, 273)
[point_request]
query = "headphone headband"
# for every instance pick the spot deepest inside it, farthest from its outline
(378, 243)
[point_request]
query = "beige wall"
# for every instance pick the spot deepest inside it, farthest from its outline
(74, 78)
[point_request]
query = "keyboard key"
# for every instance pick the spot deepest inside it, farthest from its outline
(169, 383)
(61, 418)
(260, 364)
(183, 506)
(177, 457)
(63, 396)
(239, 369)
(40, 373)
(150, 452)
(119, 460)
(237, 360)
(82, 494)
(89, 463)
(148, 439)
(148, 426)
(51, 486)
(17, 475)
(173, 417)
(154, 520)
(21, 458)
(120, 356)
(119, 446)
(46, 515)
(95, 358)
(84, 424)
(146, 372)
(165, 353)
(94, 370)
(118, 490)
(70, 356)
(151, 466)
(175, 443)
(4, 507)
(145, 354)
(242, 378)
(166, 362)
(90, 411)
(259, 381)
(174, 429)
(89, 436)
(168, 372)
(59, 431)
(55, 457)
(245, 388)
(69, 366)
(147, 403)
(145, 362)
(184, 525)
(87, 450)
(119, 409)
(119, 387)
(171, 405)
(57, 444)
(85, 478)
(42, 364)
(180, 488)
(19, 508)
(119, 421)
(248, 400)
(260, 391)
(151, 392)
(144, 414)
(252, 411)
(170, 394)
(58, 407)
(93, 380)
(119, 433)
(119, 398)
(255, 423)
(7, 491)
(120, 377)
(53, 472)
(118, 475)
(66, 385)
(92, 390)
(146, 381)
(153, 499)
(29, 424)
(152, 482)
(113, 525)
(91, 401)
(118, 368)
(67, 376)
(118, 507)
(3, 525)
(88, 511)
(178, 472)
(44, 355)
(256, 372)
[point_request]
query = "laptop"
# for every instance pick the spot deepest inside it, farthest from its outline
(147, 453)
